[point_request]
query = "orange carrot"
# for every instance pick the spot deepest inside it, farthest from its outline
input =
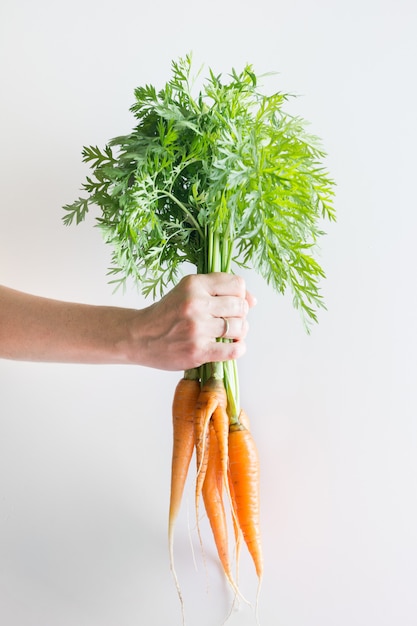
(213, 502)
(244, 473)
(236, 527)
(220, 421)
(244, 420)
(183, 407)
(212, 396)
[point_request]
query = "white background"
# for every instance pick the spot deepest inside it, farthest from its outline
(85, 451)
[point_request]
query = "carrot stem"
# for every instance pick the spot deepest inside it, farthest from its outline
(192, 374)
(219, 253)
(231, 384)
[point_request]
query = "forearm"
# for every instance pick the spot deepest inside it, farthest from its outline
(41, 329)
(178, 332)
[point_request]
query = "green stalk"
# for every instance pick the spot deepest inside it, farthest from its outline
(182, 206)
(231, 383)
(215, 265)
(219, 254)
(231, 378)
(192, 374)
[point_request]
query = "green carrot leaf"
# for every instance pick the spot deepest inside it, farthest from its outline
(218, 179)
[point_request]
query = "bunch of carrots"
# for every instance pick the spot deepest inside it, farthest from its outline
(226, 465)
(221, 178)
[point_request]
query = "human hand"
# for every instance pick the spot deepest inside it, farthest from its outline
(179, 332)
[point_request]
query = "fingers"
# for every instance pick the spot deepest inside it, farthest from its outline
(225, 351)
(211, 297)
(227, 294)
(229, 306)
(223, 284)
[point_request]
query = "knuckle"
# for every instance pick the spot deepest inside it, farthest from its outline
(241, 307)
(239, 285)
(188, 285)
(198, 352)
(244, 307)
(187, 311)
(193, 301)
(190, 326)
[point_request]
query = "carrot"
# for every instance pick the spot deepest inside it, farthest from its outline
(183, 407)
(213, 502)
(244, 474)
(220, 421)
(212, 397)
(244, 421)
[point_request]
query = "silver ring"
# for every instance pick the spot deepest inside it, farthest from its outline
(226, 327)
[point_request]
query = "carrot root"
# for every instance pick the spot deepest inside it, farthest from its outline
(214, 505)
(244, 472)
(183, 407)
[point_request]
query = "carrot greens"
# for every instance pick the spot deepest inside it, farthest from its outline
(225, 177)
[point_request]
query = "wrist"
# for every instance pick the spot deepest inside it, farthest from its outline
(130, 345)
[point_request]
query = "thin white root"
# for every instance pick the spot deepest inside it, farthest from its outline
(177, 585)
(258, 623)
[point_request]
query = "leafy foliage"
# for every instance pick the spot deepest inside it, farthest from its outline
(222, 178)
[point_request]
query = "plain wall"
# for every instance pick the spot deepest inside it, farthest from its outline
(85, 450)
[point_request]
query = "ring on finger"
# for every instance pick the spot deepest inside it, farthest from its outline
(226, 327)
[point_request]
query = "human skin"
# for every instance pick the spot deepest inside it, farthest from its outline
(177, 332)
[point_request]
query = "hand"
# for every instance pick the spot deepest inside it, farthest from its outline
(180, 331)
